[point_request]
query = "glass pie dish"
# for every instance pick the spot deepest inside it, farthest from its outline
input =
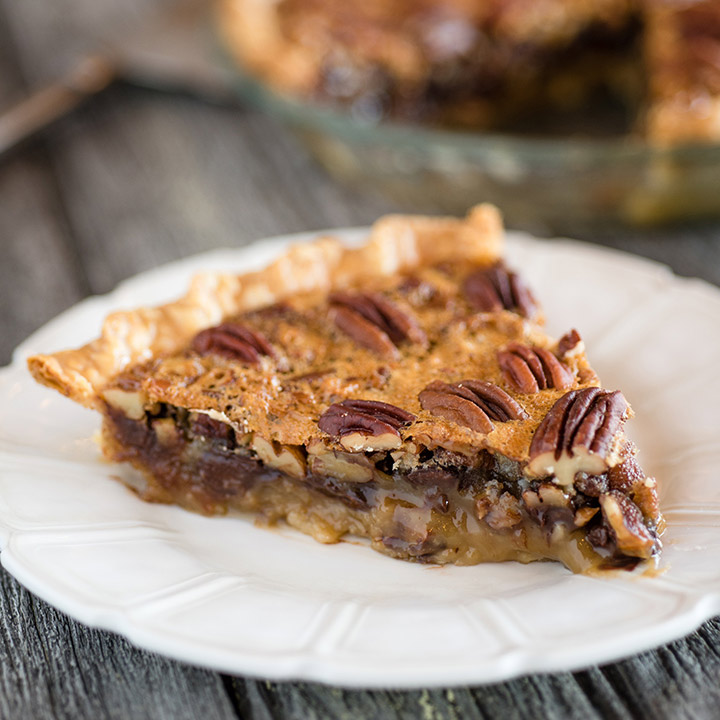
(544, 184)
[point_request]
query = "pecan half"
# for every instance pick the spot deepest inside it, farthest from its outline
(364, 332)
(347, 467)
(578, 435)
(375, 322)
(497, 288)
(531, 369)
(286, 458)
(365, 425)
(234, 341)
(626, 522)
(471, 403)
(570, 344)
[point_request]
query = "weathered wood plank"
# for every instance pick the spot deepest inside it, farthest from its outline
(50, 36)
(148, 178)
(678, 681)
(38, 274)
(553, 698)
(38, 277)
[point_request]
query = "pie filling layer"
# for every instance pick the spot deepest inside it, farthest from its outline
(443, 510)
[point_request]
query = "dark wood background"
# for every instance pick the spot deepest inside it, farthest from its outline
(138, 178)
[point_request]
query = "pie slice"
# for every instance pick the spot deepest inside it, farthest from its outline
(402, 391)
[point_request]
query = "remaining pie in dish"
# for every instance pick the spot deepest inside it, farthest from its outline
(401, 391)
(645, 66)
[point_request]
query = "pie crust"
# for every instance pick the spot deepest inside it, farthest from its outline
(402, 391)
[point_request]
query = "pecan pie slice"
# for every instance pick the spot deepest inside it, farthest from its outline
(403, 391)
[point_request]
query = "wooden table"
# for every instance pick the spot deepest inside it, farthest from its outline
(140, 178)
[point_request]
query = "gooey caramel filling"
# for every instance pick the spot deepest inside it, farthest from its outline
(434, 507)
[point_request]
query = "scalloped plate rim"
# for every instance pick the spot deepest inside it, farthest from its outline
(513, 663)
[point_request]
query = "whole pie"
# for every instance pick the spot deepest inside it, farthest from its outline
(402, 391)
(650, 67)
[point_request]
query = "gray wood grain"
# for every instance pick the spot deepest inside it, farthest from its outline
(137, 179)
(37, 259)
(147, 178)
(678, 681)
(33, 238)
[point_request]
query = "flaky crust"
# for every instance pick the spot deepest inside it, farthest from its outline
(396, 243)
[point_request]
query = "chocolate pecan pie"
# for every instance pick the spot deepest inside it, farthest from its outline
(648, 66)
(402, 391)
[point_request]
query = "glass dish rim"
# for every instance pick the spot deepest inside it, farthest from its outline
(330, 120)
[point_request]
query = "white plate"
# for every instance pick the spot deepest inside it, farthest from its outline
(222, 593)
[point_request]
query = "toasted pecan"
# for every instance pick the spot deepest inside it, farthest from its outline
(471, 403)
(497, 288)
(375, 322)
(365, 424)
(235, 341)
(578, 434)
(531, 369)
